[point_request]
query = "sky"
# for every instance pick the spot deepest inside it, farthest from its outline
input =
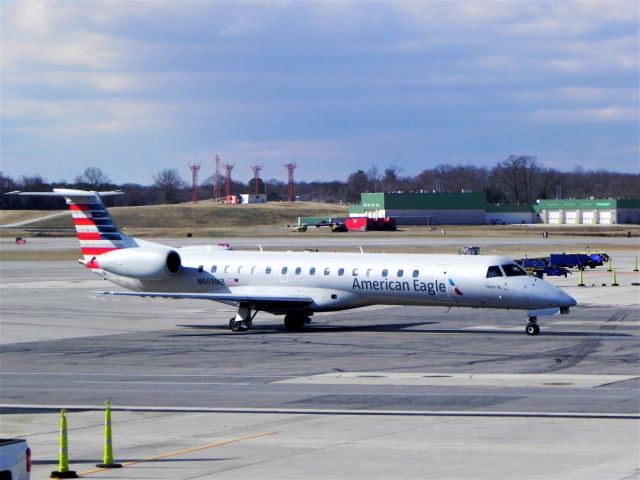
(137, 87)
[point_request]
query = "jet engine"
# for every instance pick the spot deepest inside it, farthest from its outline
(143, 263)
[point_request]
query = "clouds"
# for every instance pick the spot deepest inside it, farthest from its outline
(354, 84)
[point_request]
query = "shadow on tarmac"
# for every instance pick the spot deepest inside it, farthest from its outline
(310, 328)
(404, 328)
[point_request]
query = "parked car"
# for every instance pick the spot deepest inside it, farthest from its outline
(338, 227)
(15, 459)
(497, 221)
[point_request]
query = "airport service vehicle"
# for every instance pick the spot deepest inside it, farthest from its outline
(297, 285)
(338, 227)
(365, 224)
(335, 225)
(540, 267)
(470, 250)
(15, 459)
(578, 260)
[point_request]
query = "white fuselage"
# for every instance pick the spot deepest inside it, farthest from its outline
(338, 281)
(297, 284)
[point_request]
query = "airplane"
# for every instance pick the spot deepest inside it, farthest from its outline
(299, 284)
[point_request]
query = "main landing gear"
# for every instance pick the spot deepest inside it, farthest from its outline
(243, 319)
(295, 321)
(532, 327)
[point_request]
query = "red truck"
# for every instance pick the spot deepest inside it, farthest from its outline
(364, 224)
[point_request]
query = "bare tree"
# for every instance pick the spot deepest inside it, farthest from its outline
(93, 178)
(518, 176)
(169, 183)
(374, 178)
(356, 184)
(390, 180)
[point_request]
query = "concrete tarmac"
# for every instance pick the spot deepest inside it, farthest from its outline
(380, 392)
(371, 240)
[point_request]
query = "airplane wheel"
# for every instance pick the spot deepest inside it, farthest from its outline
(294, 322)
(236, 326)
(532, 329)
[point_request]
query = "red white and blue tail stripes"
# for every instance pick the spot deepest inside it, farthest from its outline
(96, 230)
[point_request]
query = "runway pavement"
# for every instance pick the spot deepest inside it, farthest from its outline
(379, 240)
(380, 392)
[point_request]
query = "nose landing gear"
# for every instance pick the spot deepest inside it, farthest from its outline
(532, 327)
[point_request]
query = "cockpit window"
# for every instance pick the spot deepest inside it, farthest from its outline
(513, 270)
(494, 271)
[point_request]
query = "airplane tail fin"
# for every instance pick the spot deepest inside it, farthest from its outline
(96, 230)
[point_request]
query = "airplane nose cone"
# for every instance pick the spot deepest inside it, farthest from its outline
(557, 297)
(566, 300)
(562, 299)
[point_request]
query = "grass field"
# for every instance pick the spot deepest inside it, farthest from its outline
(13, 216)
(177, 220)
(206, 219)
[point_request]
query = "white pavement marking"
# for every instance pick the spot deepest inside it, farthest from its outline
(129, 382)
(150, 375)
(461, 379)
(328, 411)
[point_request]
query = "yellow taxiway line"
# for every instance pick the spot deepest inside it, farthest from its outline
(182, 452)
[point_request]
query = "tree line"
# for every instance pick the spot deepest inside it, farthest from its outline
(519, 179)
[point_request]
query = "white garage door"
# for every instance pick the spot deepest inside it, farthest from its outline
(554, 218)
(571, 217)
(604, 218)
(589, 217)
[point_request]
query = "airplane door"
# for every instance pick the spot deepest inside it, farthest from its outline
(441, 282)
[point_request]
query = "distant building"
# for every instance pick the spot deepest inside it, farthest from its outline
(589, 211)
(509, 214)
(424, 208)
(253, 198)
(471, 208)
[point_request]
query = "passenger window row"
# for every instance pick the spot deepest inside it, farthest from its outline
(312, 271)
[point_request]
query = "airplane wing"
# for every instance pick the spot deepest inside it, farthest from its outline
(258, 302)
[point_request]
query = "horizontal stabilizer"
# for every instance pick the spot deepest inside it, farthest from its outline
(97, 232)
(68, 193)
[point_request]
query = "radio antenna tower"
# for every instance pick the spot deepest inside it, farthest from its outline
(216, 180)
(256, 178)
(227, 168)
(290, 168)
(194, 167)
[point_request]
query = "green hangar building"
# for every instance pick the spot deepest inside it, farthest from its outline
(589, 211)
(423, 208)
(471, 208)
